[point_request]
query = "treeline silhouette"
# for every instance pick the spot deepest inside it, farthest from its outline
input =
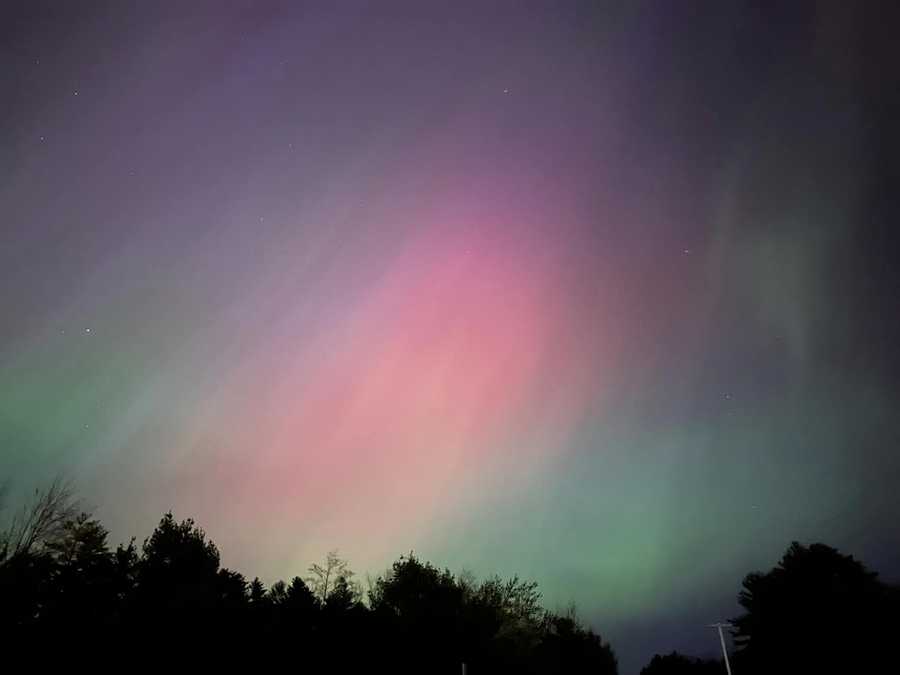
(60, 583)
(65, 593)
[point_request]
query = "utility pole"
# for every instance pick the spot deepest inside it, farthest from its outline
(720, 626)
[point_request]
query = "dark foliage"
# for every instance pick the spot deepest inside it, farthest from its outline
(679, 664)
(68, 589)
(816, 611)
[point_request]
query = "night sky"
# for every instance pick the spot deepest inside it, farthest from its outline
(600, 294)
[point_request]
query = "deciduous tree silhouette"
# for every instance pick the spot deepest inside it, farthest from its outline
(568, 647)
(40, 522)
(419, 607)
(494, 627)
(26, 559)
(323, 578)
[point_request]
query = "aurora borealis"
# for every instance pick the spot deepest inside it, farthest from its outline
(600, 294)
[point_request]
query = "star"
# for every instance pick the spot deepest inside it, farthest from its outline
(87, 330)
(506, 91)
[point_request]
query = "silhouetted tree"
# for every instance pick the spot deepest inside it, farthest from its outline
(503, 621)
(24, 584)
(679, 664)
(498, 626)
(299, 594)
(294, 611)
(568, 647)
(38, 523)
(257, 593)
(177, 575)
(816, 611)
(84, 583)
(342, 598)
(299, 598)
(125, 563)
(322, 578)
(26, 560)
(420, 607)
(278, 593)
(232, 590)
